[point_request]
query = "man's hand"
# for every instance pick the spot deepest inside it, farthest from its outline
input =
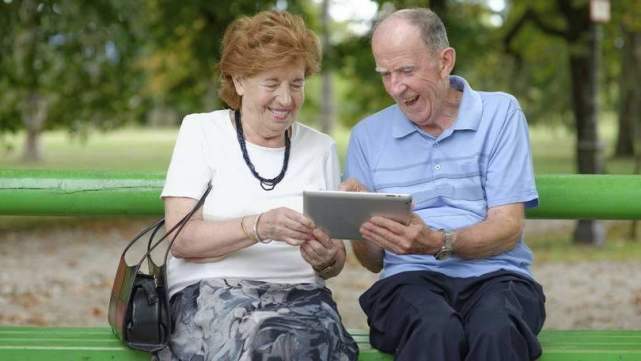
(414, 238)
(352, 185)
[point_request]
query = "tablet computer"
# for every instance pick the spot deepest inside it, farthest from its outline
(341, 214)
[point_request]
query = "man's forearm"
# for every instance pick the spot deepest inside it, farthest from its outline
(497, 234)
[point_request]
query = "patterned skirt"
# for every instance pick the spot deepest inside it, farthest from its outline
(223, 319)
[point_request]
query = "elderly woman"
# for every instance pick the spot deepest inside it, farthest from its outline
(247, 274)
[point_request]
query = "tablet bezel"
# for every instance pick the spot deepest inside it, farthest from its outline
(340, 214)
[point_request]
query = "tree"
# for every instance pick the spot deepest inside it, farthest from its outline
(183, 48)
(65, 64)
(570, 21)
(627, 19)
(327, 94)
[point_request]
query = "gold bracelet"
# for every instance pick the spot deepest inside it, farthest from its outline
(242, 226)
(265, 241)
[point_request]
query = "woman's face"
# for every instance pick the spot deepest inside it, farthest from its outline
(272, 98)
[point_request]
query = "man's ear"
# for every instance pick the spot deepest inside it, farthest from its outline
(448, 60)
(239, 84)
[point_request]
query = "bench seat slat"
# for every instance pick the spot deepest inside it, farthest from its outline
(98, 344)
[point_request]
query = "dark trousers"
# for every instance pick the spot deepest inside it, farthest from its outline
(426, 316)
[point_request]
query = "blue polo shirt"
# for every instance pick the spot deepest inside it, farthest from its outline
(482, 161)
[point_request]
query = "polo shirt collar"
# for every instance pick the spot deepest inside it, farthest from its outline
(471, 108)
(470, 111)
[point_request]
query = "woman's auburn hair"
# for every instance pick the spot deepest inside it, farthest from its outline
(268, 40)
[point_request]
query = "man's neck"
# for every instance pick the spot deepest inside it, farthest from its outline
(447, 114)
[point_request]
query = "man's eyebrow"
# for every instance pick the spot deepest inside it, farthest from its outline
(380, 70)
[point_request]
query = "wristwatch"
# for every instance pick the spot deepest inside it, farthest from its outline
(449, 237)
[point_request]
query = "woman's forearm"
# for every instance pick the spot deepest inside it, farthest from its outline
(211, 239)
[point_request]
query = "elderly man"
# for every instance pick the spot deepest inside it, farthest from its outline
(456, 283)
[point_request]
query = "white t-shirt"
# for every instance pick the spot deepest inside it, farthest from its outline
(207, 150)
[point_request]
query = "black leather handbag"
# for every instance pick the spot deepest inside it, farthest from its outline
(139, 304)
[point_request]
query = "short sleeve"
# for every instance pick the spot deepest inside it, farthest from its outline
(332, 168)
(356, 165)
(510, 174)
(188, 173)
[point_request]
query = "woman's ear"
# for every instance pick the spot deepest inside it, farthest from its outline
(239, 84)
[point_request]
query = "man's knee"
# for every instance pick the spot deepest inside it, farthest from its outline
(414, 328)
(433, 336)
(435, 326)
(490, 329)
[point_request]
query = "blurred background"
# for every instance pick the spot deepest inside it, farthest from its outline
(104, 85)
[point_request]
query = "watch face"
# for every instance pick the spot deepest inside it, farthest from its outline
(442, 255)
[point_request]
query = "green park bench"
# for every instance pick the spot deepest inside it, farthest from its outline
(81, 193)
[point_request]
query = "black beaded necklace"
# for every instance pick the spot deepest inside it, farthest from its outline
(266, 184)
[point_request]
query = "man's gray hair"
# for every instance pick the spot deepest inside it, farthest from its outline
(429, 24)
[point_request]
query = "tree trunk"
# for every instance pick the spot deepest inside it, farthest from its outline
(584, 66)
(327, 98)
(629, 93)
(32, 152)
(34, 115)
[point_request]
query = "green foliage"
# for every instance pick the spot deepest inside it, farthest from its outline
(68, 59)
(102, 63)
(183, 48)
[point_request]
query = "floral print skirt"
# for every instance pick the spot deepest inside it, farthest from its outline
(224, 319)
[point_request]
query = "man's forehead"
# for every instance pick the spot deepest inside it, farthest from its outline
(393, 60)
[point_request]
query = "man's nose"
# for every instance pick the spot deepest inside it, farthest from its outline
(397, 86)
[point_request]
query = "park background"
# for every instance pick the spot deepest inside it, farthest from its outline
(103, 85)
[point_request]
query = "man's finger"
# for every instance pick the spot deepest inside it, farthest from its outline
(372, 233)
(394, 226)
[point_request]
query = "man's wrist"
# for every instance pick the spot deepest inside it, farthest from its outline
(447, 248)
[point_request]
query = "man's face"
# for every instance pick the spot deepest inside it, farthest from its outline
(412, 74)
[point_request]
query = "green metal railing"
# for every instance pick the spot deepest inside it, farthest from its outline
(31, 192)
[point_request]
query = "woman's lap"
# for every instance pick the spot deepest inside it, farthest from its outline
(248, 320)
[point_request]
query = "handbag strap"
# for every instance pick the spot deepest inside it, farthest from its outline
(155, 225)
(177, 228)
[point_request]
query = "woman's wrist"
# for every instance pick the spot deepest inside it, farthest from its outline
(246, 229)
(325, 267)
(251, 231)
(255, 231)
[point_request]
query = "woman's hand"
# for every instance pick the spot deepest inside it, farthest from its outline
(285, 224)
(325, 255)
